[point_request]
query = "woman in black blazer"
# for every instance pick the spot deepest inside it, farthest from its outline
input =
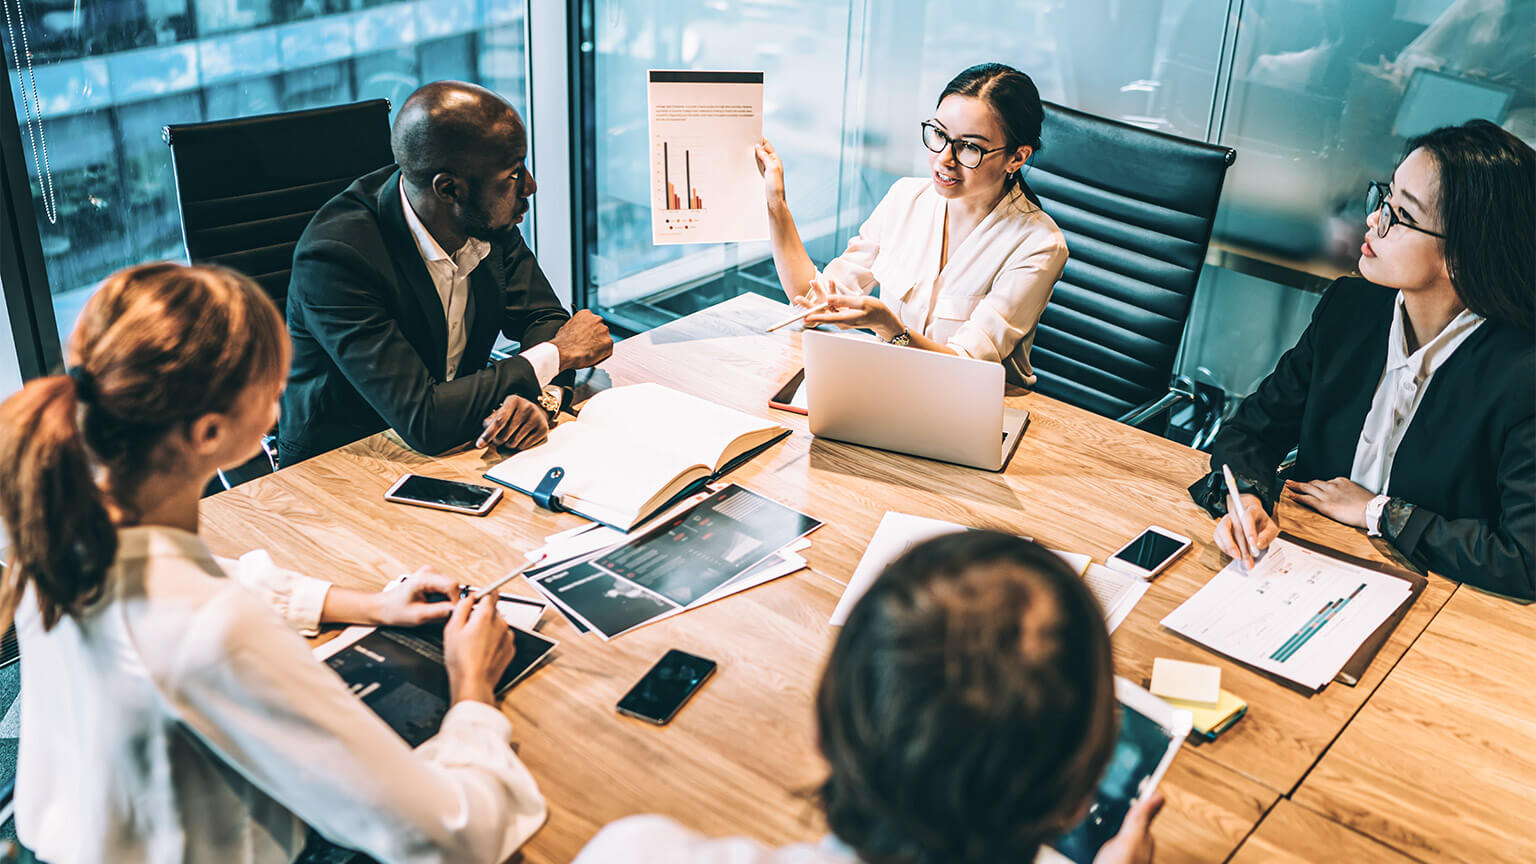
(1411, 397)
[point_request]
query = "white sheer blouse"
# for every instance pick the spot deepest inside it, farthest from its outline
(986, 300)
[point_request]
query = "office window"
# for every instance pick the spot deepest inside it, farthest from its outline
(1323, 98)
(10, 366)
(846, 85)
(801, 46)
(104, 78)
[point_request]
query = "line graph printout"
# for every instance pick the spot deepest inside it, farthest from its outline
(705, 187)
(1298, 614)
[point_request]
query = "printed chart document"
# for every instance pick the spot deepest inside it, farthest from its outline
(636, 448)
(691, 559)
(705, 187)
(1298, 614)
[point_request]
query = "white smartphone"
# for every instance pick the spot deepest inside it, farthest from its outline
(442, 494)
(1149, 552)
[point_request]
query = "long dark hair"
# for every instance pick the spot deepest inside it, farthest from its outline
(155, 348)
(1015, 100)
(967, 710)
(1487, 209)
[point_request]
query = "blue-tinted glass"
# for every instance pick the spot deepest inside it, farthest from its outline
(105, 77)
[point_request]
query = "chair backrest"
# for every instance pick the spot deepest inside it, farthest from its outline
(248, 187)
(1136, 207)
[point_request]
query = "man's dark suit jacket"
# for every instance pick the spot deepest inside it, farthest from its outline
(370, 339)
(1463, 481)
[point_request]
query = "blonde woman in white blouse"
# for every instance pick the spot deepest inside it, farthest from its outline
(965, 259)
(169, 710)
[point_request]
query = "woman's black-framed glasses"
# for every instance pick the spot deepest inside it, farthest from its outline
(1376, 195)
(967, 153)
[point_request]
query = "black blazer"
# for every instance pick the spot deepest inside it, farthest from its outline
(1463, 481)
(370, 338)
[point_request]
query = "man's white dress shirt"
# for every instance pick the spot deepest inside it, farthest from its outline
(181, 718)
(450, 276)
(1399, 393)
(986, 299)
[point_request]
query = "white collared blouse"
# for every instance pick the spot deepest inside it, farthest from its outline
(1403, 383)
(178, 719)
(986, 300)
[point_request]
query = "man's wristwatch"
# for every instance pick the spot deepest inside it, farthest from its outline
(550, 399)
(902, 339)
(1373, 510)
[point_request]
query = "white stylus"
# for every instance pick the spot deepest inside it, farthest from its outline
(1237, 512)
(819, 307)
(486, 591)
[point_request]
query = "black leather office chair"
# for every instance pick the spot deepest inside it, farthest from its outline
(1136, 207)
(248, 187)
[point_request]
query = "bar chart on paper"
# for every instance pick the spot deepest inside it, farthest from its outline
(705, 187)
(1298, 613)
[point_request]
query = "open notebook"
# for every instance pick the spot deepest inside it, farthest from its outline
(634, 449)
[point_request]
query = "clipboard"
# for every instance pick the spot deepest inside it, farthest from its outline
(1360, 661)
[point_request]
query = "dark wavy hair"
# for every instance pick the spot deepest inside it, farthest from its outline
(968, 708)
(1487, 210)
(1015, 100)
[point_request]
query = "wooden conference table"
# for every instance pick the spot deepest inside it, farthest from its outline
(741, 758)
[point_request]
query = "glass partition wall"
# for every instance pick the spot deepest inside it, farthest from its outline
(1317, 97)
(95, 82)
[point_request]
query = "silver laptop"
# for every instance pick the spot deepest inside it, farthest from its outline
(923, 403)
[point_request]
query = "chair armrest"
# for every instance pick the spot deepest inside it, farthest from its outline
(1181, 391)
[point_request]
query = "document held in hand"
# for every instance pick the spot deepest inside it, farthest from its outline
(705, 187)
(634, 449)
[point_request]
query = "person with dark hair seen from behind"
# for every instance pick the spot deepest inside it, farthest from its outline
(170, 710)
(1410, 399)
(966, 715)
(964, 259)
(401, 283)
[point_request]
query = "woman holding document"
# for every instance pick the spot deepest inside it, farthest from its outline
(965, 259)
(169, 710)
(1409, 399)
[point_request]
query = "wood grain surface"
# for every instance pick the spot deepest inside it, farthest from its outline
(1440, 763)
(741, 758)
(1292, 834)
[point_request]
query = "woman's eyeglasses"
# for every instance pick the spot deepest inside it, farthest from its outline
(967, 153)
(1376, 195)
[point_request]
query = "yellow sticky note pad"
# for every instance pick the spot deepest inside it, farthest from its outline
(1176, 679)
(1210, 720)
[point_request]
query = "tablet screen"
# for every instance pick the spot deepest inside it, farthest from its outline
(1138, 754)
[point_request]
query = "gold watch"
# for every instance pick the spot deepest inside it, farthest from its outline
(550, 399)
(902, 339)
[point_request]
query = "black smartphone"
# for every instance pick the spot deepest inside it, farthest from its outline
(441, 494)
(661, 693)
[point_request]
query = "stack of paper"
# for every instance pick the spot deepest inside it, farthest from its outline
(726, 543)
(1298, 614)
(898, 532)
(1116, 592)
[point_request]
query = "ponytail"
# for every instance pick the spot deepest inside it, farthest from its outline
(156, 347)
(62, 537)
